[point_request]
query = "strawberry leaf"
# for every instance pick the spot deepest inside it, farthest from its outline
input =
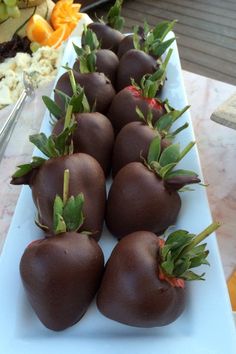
(136, 38)
(53, 146)
(168, 264)
(67, 212)
(53, 108)
(164, 170)
(113, 19)
(72, 212)
(78, 50)
(154, 150)
(189, 275)
(166, 121)
(44, 144)
(162, 29)
(181, 252)
(176, 173)
(182, 266)
(90, 40)
(140, 114)
(170, 155)
(65, 99)
(58, 222)
(26, 168)
(158, 49)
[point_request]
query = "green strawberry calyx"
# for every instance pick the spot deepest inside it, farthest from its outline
(52, 146)
(151, 84)
(181, 251)
(151, 41)
(165, 122)
(67, 211)
(78, 100)
(163, 163)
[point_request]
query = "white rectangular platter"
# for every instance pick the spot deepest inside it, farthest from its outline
(205, 327)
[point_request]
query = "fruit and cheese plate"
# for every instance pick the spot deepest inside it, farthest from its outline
(196, 315)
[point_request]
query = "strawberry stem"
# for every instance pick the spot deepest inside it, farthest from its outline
(181, 252)
(177, 131)
(199, 238)
(167, 58)
(182, 112)
(72, 81)
(66, 186)
(68, 116)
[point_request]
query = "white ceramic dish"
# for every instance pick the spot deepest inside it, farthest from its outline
(206, 326)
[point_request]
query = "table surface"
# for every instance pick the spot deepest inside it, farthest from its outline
(216, 144)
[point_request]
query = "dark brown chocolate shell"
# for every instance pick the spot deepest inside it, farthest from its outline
(97, 87)
(134, 64)
(93, 136)
(123, 108)
(107, 36)
(132, 144)
(138, 200)
(106, 62)
(131, 291)
(86, 176)
(61, 275)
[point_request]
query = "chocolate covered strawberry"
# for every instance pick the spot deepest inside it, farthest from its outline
(92, 58)
(151, 41)
(97, 87)
(133, 141)
(108, 29)
(123, 106)
(45, 177)
(93, 133)
(134, 64)
(144, 196)
(144, 281)
(61, 273)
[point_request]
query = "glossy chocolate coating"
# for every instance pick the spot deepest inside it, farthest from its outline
(131, 291)
(97, 87)
(138, 200)
(106, 62)
(123, 109)
(132, 145)
(61, 275)
(93, 136)
(86, 176)
(107, 36)
(125, 45)
(134, 64)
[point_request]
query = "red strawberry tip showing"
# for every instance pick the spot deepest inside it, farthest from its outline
(137, 92)
(180, 252)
